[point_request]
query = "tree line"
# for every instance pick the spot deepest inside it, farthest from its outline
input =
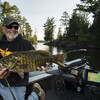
(78, 31)
(25, 29)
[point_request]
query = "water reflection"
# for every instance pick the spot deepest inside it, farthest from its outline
(94, 60)
(53, 50)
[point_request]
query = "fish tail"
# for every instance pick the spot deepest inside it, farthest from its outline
(59, 59)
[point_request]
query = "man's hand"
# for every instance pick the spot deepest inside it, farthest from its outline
(43, 68)
(4, 73)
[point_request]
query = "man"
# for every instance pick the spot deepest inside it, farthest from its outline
(11, 42)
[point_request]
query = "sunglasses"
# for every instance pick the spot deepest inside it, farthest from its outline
(10, 27)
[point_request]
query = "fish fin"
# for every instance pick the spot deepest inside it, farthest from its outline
(59, 59)
(60, 63)
(21, 74)
(43, 52)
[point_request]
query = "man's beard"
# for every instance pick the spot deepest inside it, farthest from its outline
(11, 37)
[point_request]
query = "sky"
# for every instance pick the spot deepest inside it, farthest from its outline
(37, 11)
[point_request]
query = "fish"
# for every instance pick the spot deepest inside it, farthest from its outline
(28, 61)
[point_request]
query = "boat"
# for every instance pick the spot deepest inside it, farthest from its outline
(76, 81)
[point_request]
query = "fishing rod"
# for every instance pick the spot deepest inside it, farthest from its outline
(10, 88)
(8, 85)
(79, 50)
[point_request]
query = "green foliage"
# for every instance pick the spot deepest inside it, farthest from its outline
(49, 29)
(28, 30)
(77, 30)
(93, 6)
(78, 24)
(35, 39)
(59, 35)
(95, 29)
(90, 6)
(7, 10)
(65, 19)
(32, 40)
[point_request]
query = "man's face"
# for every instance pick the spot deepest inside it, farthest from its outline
(11, 31)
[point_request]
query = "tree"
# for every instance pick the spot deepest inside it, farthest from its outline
(23, 20)
(59, 35)
(6, 10)
(35, 37)
(65, 19)
(16, 11)
(28, 30)
(78, 31)
(95, 29)
(92, 6)
(49, 29)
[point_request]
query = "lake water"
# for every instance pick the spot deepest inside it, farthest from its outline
(93, 54)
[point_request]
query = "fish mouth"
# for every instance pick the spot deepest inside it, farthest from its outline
(1, 67)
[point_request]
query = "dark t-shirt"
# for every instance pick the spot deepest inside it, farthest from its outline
(19, 44)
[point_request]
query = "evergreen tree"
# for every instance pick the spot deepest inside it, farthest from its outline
(65, 22)
(59, 35)
(93, 6)
(49, 29)
(35, 36)
(95, 29)
(28, 30)
(7, 10)
(78, 32)
(65, 19)
(90, 6)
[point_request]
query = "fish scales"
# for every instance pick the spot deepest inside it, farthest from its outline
(27, 61)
